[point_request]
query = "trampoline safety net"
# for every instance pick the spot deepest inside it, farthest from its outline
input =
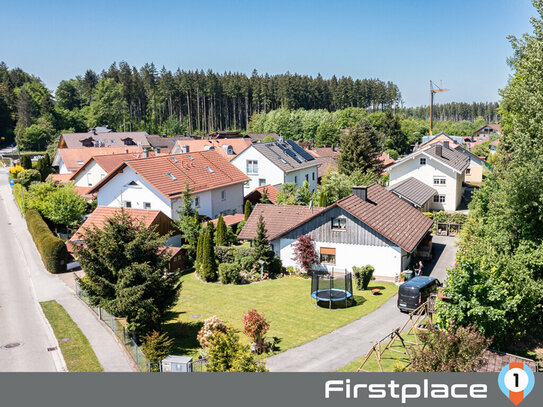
(332, 286)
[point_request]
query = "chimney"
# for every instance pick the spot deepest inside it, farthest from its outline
(446, 144)
(361, 192)
(145, 153)
(439, 150)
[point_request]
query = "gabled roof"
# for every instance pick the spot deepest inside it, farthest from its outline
(256, 194)
(219, 145)
(451, 158)
(230, 220)
(386, 160)
(74, 158)
(414, 191)
(204, 170)
(286, 155)
(277, 218)
(494, 126)
(383, 211)
(258, 137)
(103, 139)
(495, 142)
(319, 152)
(439, 138)
(470, 154)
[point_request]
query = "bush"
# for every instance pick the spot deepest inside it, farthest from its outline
(229, 273)
(18, 191)
(363, 276)
(14, 171)
(27, 177)
(52, 250)
(255, 327)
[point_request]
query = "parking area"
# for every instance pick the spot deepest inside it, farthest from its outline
(444, 250)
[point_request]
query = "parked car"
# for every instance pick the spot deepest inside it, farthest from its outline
(415, 292)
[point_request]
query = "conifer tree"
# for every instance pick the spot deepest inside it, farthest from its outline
(323, 199)
(360, 149)
(209, 265)
(261, 244)
(264, 198)
(222, 233)
(189, 223)
(26, 162)
(199, 252)
(248, 209)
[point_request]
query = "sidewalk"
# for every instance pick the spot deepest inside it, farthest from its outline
(109, 351)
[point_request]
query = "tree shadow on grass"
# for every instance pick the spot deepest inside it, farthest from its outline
(184, 336)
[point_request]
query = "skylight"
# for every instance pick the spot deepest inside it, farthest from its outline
(169, 174)
(190, 157)
(209, 169)
(174, 160)
(282, 160)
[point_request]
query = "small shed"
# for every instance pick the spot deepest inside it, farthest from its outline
(177, 364)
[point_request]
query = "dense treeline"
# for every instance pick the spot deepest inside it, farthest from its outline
(161, 101)
(455, 111)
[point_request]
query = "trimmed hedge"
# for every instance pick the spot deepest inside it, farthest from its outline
(18, 194)
(52, 250)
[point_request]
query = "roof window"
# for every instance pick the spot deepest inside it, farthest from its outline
(209, 169)
(169, 174)
(174, 160)
(190, 157)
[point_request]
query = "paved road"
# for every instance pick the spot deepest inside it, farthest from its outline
(23, 283)
(342, 346)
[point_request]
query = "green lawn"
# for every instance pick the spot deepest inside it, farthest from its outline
(77, 352)
(284, 301)
(388, 360)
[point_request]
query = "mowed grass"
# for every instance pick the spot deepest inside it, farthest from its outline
(389, 359)
(77, 352)
(284, 301)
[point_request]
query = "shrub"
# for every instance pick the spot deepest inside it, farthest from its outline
(156, 346)
(226, 353)
(27, 177)
(229, 273)
(18, 191)
(211, 327)
(305, 253)
(363, 276)
(14, 171)
(52, 250)
(26, 162)
(255, 327)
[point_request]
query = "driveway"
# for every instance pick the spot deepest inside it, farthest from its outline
(24, 283)
(340, 347)
(444, 250)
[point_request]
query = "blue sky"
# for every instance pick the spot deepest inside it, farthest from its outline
(409, 42)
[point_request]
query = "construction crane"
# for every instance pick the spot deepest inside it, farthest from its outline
(434, 89)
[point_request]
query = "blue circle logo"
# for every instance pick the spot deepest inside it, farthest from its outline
(516, 381)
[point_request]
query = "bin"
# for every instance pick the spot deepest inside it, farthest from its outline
(409, 274)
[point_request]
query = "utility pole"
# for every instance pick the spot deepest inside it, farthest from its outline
(432, 92)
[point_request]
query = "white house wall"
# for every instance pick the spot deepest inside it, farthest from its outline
(426, 173)
(266, 169)
(299, 176)
(90, 176)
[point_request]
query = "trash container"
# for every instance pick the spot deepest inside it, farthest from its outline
(409, 274)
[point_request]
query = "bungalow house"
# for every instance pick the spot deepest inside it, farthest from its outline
(158, 183)
(438, 166)
(371, 226)
(277, 162)
(229, 148)
(103, 139)
(150, 218)
(69, 160)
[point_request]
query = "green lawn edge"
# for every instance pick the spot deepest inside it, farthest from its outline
(77, 352)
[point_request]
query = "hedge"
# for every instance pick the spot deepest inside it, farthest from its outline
(52, 250)
(18, 194)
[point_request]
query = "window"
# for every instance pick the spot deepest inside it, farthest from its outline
(439, 181)
(223, 195)
(169, 174)
(468, 171)
(89, 180)
(209, 169)
(196, 202)
(296, 179)
(339, 223)
(328, 255)
(80, 163)
(127, 204)
(313, 176)
(307, 177)
(252, 167)
(439, 198)
(147, 205)
(261, 182)
(422, 161)
(247, 184)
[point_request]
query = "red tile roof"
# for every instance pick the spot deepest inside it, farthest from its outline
(230, 219)
(277, 218)
(60, 178)
(386, 160)
(256, 194)
(238, 145)
(203, 170)
(72, 156)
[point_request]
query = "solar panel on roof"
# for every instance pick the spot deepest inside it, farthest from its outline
(293, 155)
(305, 155)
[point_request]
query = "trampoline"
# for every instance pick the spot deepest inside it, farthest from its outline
(331, 287)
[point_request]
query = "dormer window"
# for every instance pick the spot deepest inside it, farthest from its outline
(339, 223)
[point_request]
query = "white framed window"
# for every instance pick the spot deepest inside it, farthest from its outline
(422, 161)
(261, 182)
(127, 204)
(196, 202)
(440, 181)
(252, 167)
(147, 205)
(468, 171)
(223, 195)
(89, 179)
(339, 223)
(439, 198)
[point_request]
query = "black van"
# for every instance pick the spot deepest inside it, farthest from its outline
(416, 291)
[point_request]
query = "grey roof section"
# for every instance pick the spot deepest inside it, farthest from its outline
(426, 139)
(105, 139)
(414, 191)
(283, 156)
(452, 158)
